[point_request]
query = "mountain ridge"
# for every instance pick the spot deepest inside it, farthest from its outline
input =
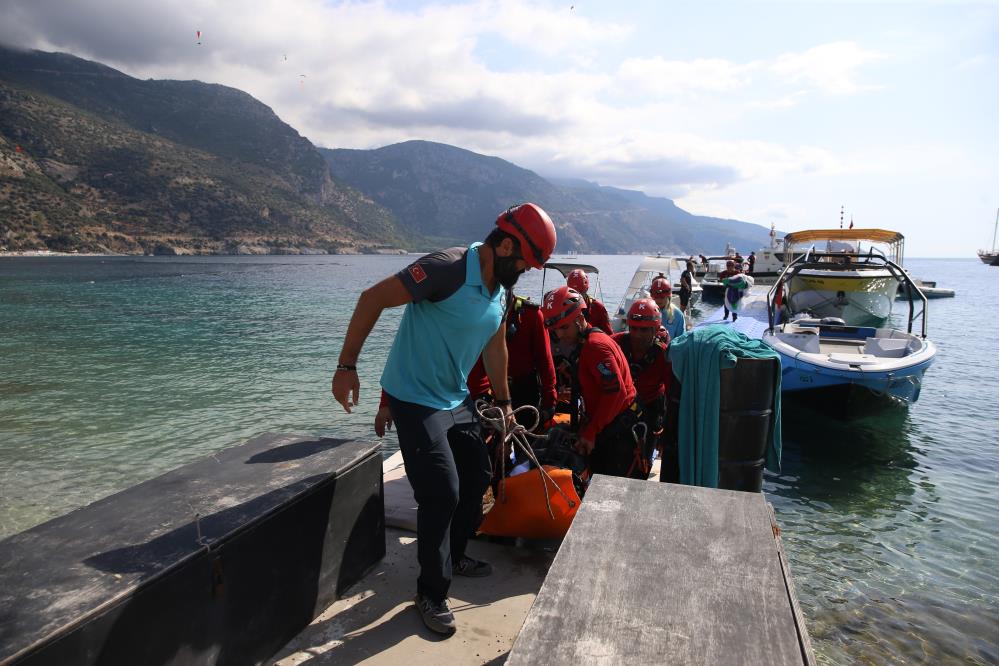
(453, 194)
(93, 160)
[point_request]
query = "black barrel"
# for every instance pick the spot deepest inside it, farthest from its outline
(669, 465)
(744, 421)
(745, 417)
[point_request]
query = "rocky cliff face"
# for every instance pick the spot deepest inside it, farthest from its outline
(94, 160)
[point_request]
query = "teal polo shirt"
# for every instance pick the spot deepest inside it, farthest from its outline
(444, 329)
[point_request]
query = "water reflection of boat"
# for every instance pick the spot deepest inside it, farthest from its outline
(842, 279)
(831, 461)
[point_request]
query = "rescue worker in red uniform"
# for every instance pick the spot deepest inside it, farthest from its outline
(645, 346)
(530, 369)
(602, 379)
(595, 313)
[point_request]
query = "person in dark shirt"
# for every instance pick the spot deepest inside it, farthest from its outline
(645, 346)
(595, 313)
(686, 286)
(455, 306)
(603, 382)
(752, 262)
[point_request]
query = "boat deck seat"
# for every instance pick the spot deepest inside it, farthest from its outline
(847, 346)
(807, 342)
(886, 347)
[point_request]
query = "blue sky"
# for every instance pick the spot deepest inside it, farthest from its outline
(764, 112)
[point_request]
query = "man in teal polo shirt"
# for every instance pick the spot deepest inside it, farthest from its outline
(455, 305)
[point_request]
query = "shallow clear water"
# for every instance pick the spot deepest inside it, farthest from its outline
(115, 370)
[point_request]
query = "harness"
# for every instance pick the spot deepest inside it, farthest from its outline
(639, 366)
(515, 307)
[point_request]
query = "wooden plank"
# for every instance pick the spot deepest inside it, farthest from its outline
(654, 572)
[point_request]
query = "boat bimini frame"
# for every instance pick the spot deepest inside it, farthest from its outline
(873, 258)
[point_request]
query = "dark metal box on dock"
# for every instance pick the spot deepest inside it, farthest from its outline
(654, 573)
(283, 525)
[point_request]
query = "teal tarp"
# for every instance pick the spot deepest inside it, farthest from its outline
(698, 358)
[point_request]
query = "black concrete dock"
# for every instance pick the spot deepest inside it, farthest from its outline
(221, 561)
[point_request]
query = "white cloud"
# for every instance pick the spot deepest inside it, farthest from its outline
(830, 67)
(670, 77)
(974, 62)
(376, 74)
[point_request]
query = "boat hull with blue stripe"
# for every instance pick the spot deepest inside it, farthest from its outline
(885, 361)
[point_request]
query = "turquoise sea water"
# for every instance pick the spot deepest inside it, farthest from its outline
(115, 370)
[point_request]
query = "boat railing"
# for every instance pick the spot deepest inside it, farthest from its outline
(871, 258)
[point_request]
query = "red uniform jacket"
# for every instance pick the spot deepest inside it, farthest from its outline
(604, 381)
(652, 373)
(596, 315)
(528, 351)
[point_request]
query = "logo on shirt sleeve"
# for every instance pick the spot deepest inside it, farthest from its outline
(417, 273)
(608, 378)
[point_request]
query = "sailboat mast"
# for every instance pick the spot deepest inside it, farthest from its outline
(996, 227)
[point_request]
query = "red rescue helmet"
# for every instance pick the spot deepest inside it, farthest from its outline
(661, 287)
(644, 313)
(578, 280)
(562, 305)
(533, 229)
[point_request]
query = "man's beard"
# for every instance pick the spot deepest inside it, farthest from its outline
(505, 270)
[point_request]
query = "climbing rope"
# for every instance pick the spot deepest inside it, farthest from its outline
(517, 436)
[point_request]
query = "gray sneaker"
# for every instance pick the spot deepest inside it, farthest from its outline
(471, 567)
(436, 615)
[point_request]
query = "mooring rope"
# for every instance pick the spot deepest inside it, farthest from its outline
(496, 419)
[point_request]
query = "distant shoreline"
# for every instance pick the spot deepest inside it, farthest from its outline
(50, 253)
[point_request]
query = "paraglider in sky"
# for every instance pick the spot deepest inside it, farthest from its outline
(301, 79)
(198, 33)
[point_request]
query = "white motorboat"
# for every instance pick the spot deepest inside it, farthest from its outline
(844, 280)
(768, 262)
(841, 364)
(649, 269)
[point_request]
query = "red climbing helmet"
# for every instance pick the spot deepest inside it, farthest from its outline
(562, 305)
(578, 280)
(533, 229)
(644, 313)
(661, 287)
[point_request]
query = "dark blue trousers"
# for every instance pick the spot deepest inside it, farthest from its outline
(448, 466)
